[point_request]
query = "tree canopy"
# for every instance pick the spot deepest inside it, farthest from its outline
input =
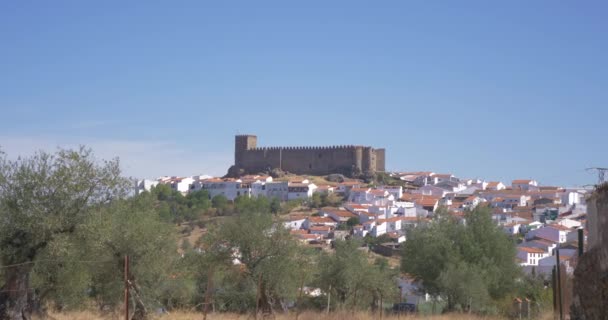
(468, 264)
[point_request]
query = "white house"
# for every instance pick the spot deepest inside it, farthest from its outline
(452, 186)
(346, 187)
(430, 190)
(512, 228)
(553, 233)
(145, 185)
(320, 230)
(525, 184)
(300, 190)
(295, 222)
(277, 189)
(392, 224)
(378, 228)
(396, 191)
(338, 215)
(318, 221)
(496, 186)
(441, 177)
(179, 184)
(359, 195)
(471, 202)
(571, 197)
(530, 256)
(326, 189)
(229, 188)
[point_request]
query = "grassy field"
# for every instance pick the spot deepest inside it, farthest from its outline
(86, 315)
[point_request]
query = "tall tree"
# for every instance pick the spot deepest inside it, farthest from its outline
(269, 255)
(130, 228)
(351, 279)
(43, 199)
(446, 250)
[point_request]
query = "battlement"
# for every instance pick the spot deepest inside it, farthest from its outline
(305, 159)
(324, 148)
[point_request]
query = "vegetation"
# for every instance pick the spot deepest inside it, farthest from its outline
(353, 280)
(471, 266)
(67, 221)
(320, 200)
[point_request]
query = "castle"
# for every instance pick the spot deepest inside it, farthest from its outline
(350, 160)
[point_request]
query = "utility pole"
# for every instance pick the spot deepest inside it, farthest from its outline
(126, 287)
(559, 286)
(601, 174)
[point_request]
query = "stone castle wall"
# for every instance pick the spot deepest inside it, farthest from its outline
(306, 160)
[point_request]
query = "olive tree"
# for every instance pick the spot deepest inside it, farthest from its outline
(43, 200)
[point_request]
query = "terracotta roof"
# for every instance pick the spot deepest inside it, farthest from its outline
(522, 181)
(531, 250)
(300, 231)
(378, 192)
(319, 228)
(341, 213)
(320, 220)
(360, 189)
(493, 183)
(356, 206)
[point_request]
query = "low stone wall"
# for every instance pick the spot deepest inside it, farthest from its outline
(591, 286)
(590, 299)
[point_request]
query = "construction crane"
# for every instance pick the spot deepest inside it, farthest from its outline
(601, 174)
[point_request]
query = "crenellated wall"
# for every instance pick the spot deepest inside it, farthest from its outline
(318, 160)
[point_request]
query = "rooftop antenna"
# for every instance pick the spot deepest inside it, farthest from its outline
(601, 174)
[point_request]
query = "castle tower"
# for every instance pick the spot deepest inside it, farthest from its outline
(243, 143)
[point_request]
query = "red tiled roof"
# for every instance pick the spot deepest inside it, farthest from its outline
(531, 250)
(521, 181)
(320, 220)
(319, 228)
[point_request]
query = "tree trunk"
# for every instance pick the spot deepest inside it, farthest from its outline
(16, 302)
(139, 312)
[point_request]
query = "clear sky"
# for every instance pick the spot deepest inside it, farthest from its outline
(490, 89)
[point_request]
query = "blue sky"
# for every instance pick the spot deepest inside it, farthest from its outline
(498, 90)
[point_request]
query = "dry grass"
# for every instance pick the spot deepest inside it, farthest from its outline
(87, 315)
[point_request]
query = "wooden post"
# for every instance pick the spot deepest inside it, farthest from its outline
(581, 242)
(554, 287)
(208, 293)
(328, 298)
(381, 306)
(559, 286)
(126, 287)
